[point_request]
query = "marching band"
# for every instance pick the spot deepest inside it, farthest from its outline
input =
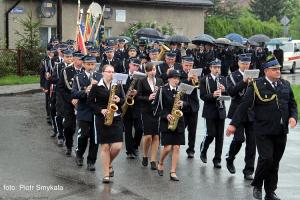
(149, 109)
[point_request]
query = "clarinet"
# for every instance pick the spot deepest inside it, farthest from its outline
(219, 102)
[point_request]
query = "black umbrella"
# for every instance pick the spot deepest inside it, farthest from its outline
(127, 39)
(236, 44)
(259, 38)
(148, 32)
(223, 41)
(203, 39)
(178, 39)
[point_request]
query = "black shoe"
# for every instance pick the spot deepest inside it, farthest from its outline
(53, 135)
(145, 161)
(160, 171)
(111, 172)
(190, 155)
(69, 152)
(230, 166)
(248, 177)
(203, 157)
(60, 142)
(173, 178)
(130, 156)
(49, 120)
(79, 161)
(106, 180)
(217, 164)
(153, 165)
(271, 196)
(257, 193)
(91, 167)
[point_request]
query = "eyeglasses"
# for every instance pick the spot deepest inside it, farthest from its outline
(110, 72)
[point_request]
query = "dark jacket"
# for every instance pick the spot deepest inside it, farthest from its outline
(270, 117)
(144, 91)
(211, 108)
(81, 82)
(161, 70)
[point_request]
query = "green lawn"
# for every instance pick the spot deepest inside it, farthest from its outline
(15, 80)
(296, 89)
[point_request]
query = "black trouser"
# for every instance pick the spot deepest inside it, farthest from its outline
(47, 102)
(190, 120)
(86, 132)
(59, 107)
(132, 142)
(246, 129)
(270, 149)
(69, 123)
(53, 113)
(215, 130)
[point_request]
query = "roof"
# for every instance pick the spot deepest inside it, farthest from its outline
(185, 3)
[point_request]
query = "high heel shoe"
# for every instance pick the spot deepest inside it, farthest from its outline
(160, 171)
(173, 178)
(145, 161)
(153, 165)
(111, 172)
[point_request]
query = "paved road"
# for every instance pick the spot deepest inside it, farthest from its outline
(29, 157)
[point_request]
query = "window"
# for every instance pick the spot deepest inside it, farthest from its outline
(45, 35)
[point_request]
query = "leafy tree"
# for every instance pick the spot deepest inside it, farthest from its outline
(266, 9)
(291, 8)
(29, 39)
(227, 8)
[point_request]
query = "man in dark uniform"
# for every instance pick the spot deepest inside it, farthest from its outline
(190, 113)
(64, 89)
(56, 98)
(111, 60)
(278, 53)
(121, 52)
(45, 76)
(212, 86)
(132, 53)
(274, 107)
(142, 48)
(81, 87)
(132, 117)
(169, 64)
(174, 48)
(236, 88)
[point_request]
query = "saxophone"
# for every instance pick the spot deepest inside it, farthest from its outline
(111, 107)
(176, 112)
(129, 100)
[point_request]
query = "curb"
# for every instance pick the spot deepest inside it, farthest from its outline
(32, 91)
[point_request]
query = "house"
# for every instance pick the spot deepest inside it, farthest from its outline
(185, 16)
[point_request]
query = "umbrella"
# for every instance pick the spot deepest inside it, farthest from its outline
(222, 41)
(148, 32)
(203, 39)
(274, 42)
(127, 39)
(252, 43)
(259, 38)
(178, 39)
(235, 37)
(236, 44)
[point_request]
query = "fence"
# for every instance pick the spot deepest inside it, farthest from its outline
(20, 61)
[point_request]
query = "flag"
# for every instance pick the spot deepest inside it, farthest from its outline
(88, 26)
(80, 39)
(100, 31)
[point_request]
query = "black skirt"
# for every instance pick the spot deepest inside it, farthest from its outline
(172, 138)
(150, 124)
(108, 134)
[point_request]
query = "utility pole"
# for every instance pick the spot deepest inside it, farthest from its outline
(59, 19)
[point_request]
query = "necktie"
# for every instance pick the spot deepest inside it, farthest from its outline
(173, 91)
(275, 85)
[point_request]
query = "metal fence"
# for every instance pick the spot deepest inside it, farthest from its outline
(20, 61)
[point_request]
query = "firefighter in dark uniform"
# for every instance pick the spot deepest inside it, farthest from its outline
(95, 52)
(64, 89)
(142, 48)
(45, 78)
(110, 59)
(121, 52)
(132, 117)
(169, 64)
(274, 106)
(236, 88)
(211, 87)
(190, 113)
(82, 85)
(65, 61)
(132, 53)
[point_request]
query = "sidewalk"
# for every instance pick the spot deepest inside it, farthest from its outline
(9, 90)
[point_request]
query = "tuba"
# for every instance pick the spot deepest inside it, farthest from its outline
(111, 107)
(176, 112)
(163, 49)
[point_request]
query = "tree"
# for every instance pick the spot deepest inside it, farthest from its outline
(29, 39)
(291, 8)
(228, 8)
(266, 9)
